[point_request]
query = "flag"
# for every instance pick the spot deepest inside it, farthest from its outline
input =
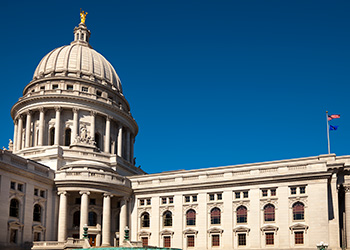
(331, 117)
(333, 127)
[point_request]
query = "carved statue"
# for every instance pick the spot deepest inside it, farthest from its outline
(82, 16)
(10, 146)
(84, 138)
(83, 132)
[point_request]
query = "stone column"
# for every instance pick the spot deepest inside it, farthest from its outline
(123, 219)
(15, 135)
(28, 129)
(58, 125)
(106, 220)
(84, 211)
(92, 129)
(108, 135)
(62, 217)
(127, 156)
(347, 214)
(120, 141)
(132, 150)
(41, 127)
(19, 130)
(75, 131)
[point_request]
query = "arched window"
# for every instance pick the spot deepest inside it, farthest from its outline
(67, 136)
(145, 220)
(298, 211)
(76, 219)
(92, 219)
(97, 140)
(191, 217)
(52, 136)
(14, 208)
(37, 213)
(167, 219)
(215, 215)
(241, 214)
(269, 212)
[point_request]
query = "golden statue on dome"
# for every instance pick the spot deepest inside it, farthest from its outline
(82, 16)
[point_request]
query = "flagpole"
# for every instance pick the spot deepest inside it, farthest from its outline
(329, 145)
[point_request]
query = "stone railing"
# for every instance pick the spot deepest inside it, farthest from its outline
(55, 245)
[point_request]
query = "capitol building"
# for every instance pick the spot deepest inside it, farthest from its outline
(70, 165)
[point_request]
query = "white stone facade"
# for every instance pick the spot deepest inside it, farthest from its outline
(72, 164)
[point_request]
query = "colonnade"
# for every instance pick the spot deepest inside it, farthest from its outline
(124, 140)
(84, 213)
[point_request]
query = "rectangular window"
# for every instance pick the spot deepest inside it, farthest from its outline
(167, 241)
(302, 190)
(194, 198)
(20, 187)
(293, 190)
(269, 237)
(245, 194)
(215, 240)
(142, 202)
(36, 192)
(187, 198)
(13, 236)
(42, 193)
(144, 241)
(219, 196)
(84, 89)
(190, 241)
(55, 86)
(264, 192)
(273, 192)
(242, 239)
(238, 195)
(148, 201)
(13, 185)
(171, 200)
(211, 197)
(69, 87)
(163, 200)
(299, 238)
(36, 236)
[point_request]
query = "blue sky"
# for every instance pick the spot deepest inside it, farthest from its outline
(210, 83)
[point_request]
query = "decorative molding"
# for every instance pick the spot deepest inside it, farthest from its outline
(303, 200)
(166, 232)
(269, 228)
(185, 208)
(144, 233)
(190, 231)
(240, 229)
(166, 208)
(239, 203)
(264, 202)
(215, 230)
(220, 205)
(298, 226)
(143, 210)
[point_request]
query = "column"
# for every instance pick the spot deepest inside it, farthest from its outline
(106, 220)
(123, 219)
(127, 145)
(108, 135)
(132, 150)
(92, 129)
(120, 140)
(41, 127)
(28, 129)
(58, 125)
(75, 131)
(62, 217)
(347, 214)
(15, 135)
(84, 211)
(20, 130)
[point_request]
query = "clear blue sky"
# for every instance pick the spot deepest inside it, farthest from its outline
(210, 83)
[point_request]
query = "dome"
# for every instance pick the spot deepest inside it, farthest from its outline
(78, 60)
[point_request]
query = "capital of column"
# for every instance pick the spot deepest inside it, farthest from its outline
(75, 110)
(58, 108)
(29, 112)
(15, 121)
(20, 116)
(108, 195)
(346, 188)
(93, 113)
(108, 117)
(62, 192)
(84, 192)
(41, 110)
